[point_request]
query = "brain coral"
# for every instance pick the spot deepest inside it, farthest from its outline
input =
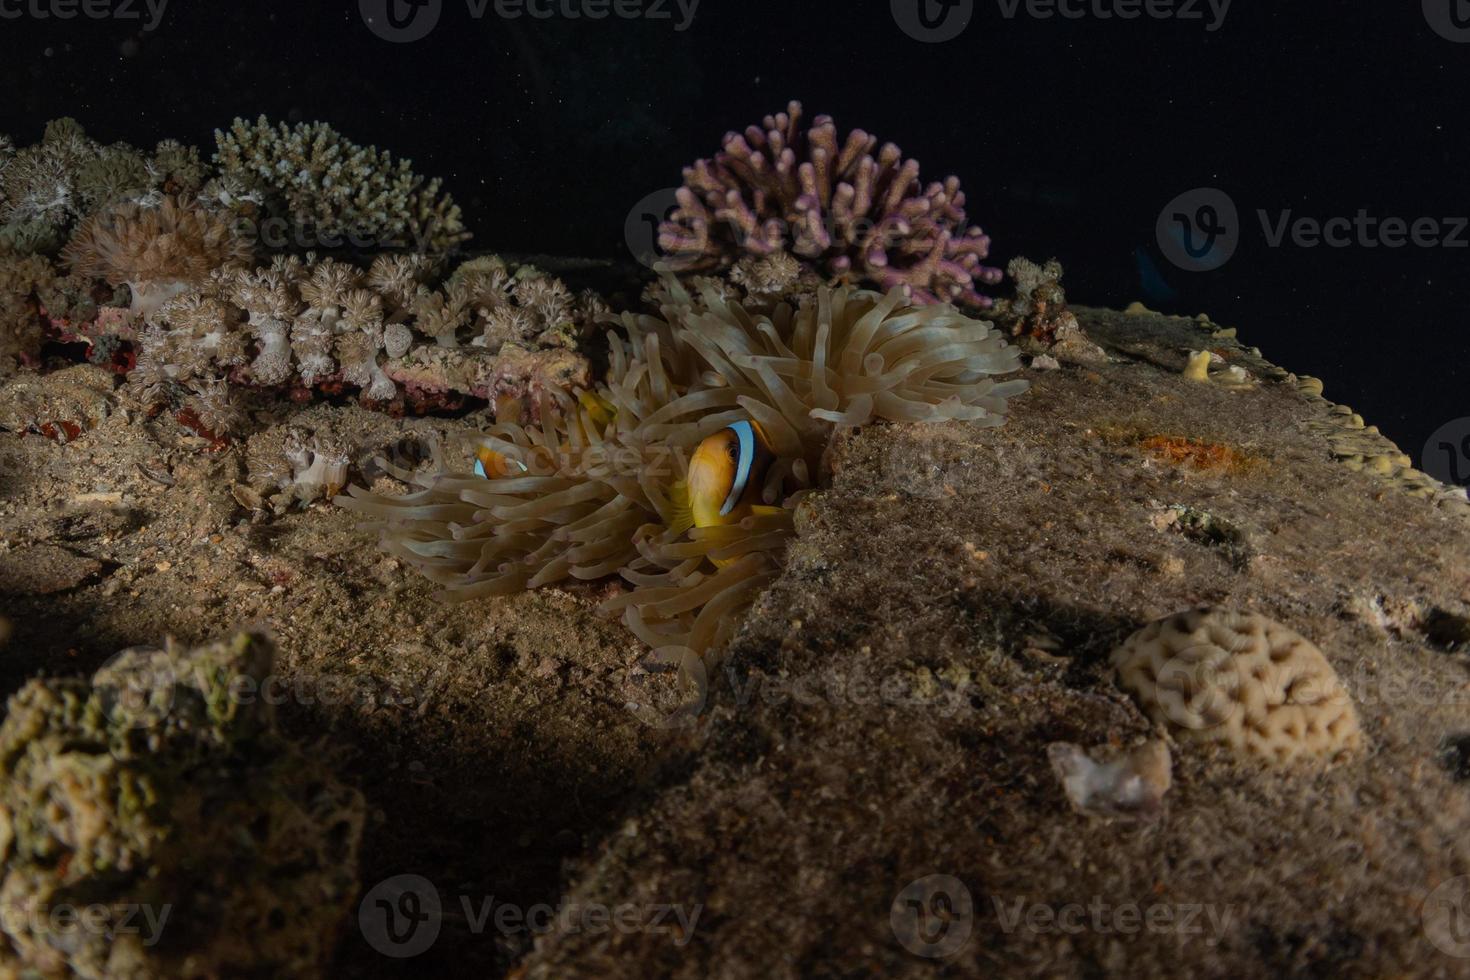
(1215, 675)
(163, 785)
(854, 215)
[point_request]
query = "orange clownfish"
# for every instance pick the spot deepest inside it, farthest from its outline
(494, 466)
(726, 476)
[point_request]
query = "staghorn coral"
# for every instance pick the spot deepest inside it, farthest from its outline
(159, 251)
(592, 491)
(1240, 679)
(853, 215)
(164, 784)
(321, 182)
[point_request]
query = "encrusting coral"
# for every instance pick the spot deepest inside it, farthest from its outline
(161, 797)
(597, 489)
(854, 215)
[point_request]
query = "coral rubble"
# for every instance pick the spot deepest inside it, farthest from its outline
(856, 211)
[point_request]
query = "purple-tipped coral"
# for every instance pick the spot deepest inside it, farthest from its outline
(852, 214)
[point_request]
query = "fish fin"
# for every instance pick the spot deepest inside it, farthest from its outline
(599, 409)
(681, 513)
(765, 510)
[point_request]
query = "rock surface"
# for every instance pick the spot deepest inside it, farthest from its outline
(868, 789)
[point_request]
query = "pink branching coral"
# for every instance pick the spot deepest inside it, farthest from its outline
(853, 215)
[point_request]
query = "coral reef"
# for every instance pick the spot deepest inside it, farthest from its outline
(322, 324)
(854, 215)
(1215, 675)
(943, 614)
(335, 190)
(180, 236)
(160, 804)
(159, 251)
(593, 491)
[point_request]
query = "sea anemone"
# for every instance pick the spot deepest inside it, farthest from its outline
(853, 215)
(160, 252)
(593, 490)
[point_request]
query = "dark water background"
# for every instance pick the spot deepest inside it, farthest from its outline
(1070, 134)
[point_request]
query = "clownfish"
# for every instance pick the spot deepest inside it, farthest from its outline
(493, 466)
(726, 475)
